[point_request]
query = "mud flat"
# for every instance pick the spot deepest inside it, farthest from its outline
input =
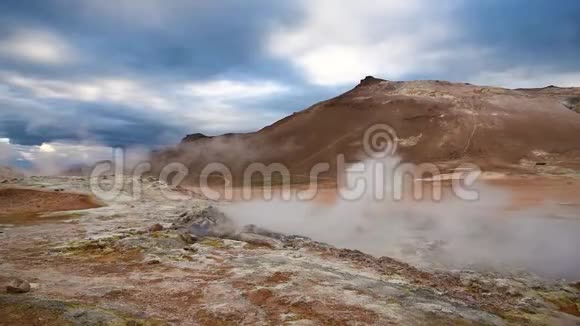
(27, 203)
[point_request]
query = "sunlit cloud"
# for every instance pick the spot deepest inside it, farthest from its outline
(339, 43)
(38, 47)
(105, 89)
(46, 148)
(209, 106)
(54, 157)
(228, 89)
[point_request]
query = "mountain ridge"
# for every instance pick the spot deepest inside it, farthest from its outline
(435, 121)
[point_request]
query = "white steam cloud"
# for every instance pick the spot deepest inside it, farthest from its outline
(450, 234)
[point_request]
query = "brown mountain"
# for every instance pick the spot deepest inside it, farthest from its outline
(435, 121)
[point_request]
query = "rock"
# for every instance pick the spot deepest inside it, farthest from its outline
(87, 316)
(156, 227)
(251, 228)
(575, 285)
(188, 238)
(4, 181)
(152, 261)
(208, 222)
(18, 286)
(259, 240)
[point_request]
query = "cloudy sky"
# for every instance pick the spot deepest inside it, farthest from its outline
(76, 73)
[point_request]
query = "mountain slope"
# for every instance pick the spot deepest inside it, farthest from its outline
(435, 121)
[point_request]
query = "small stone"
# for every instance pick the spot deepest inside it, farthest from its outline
(18, 286)
(156, 227)
(108, 250)
(259, 240)
(188, 238)
(152, 261)
(4, 181)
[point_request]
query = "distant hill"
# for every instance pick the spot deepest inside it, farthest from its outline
(435, 121)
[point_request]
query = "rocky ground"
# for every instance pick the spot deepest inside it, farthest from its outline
(152, 261)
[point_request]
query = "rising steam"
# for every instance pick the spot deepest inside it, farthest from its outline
(451, 234)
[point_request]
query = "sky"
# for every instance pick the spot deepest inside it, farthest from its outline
(81, 76)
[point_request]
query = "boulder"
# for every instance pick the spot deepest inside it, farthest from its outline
(18, 286)
(156, 227)
(188, 238)
(208, 222)
(259, 240)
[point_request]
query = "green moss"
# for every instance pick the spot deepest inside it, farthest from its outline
(517, 317)
(102, 246)
(563, 301)
(182, 257)
(85, 245)
(24, 310)
(393, 301)
(212, 242)
(161, 234)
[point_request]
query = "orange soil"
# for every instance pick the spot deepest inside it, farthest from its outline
(526, 191)
(28, 202)
(530, 191)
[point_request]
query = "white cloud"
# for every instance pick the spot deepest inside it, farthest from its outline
(527, 77)
(209, 105)
(54, 157)
(217, 116)
(37, 46)
(339, 42)
(216, 108)
(231, 89)
(46, 148)
(112, 90)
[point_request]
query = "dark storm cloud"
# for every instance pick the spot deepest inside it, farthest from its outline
(79, 122)
(156, 48)
(524, 32)
(185, 40)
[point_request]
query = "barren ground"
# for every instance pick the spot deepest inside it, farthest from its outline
(105, 265)
(16, 201)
